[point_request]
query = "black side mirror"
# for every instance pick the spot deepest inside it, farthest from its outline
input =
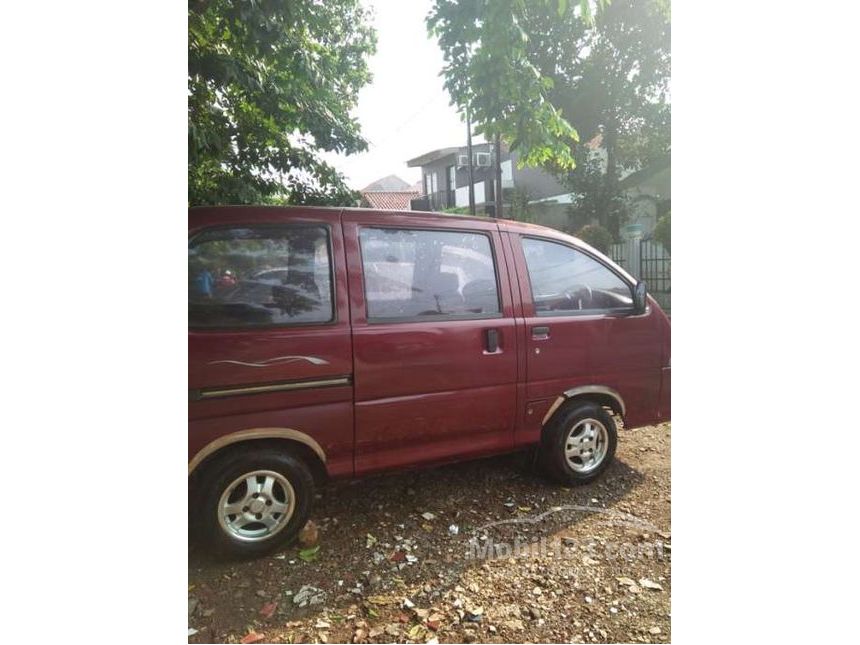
(640, 299)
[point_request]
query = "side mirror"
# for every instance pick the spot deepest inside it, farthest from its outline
(640, 299)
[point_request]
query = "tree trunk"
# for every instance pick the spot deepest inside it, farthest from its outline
(610, 182)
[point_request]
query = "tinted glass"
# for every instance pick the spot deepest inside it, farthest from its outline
(566, 280)
(259, 276)
(410, 274)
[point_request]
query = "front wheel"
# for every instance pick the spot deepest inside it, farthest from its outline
(579, 443)
(253, 501)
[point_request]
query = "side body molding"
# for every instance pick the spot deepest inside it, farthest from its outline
(586, 389)
(255, 433)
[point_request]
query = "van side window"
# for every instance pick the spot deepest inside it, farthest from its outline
(268, 275)
(564, 280)
(428, 274)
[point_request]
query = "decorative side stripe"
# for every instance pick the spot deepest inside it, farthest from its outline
(277, 360)
(272, 387)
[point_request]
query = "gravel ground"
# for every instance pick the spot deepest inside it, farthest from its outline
(390, 567)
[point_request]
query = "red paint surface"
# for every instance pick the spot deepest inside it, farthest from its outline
(421, 392)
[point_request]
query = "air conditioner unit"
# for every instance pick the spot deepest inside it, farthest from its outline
(482, 159)
(462, 160)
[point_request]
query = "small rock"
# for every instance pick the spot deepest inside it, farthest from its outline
(192, 605)
(648, 584)
(453, 529)
(408, 604)
(392, 629)
(428, 516)
(537, 591)
(309, 595)
(514, 624)
(535, 614)
(654, 630)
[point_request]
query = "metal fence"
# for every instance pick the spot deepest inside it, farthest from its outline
(647, 260)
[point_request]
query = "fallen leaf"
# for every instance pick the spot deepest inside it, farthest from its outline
(309, 555)
(309, 535)
(252, 637)
(648, 584)
(417, 632)
(382, 600)
(268, 609)
(371, 540)
(627, 582)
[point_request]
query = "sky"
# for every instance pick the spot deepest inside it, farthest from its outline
(404, 111)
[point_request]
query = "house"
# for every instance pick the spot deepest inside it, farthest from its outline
(445, 180)
(445, 185)
(388, 193)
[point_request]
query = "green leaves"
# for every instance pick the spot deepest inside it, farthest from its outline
(488, 66)
(310, 554)
(270, 85)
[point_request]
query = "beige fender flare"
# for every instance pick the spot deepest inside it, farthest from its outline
(255, 433)
(585, 389)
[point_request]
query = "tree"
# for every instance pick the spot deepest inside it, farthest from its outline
(543, 73)
(612, 80)
(488, 67)
(270, 86)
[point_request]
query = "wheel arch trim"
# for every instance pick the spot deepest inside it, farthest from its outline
(584, 390)
(255, 433)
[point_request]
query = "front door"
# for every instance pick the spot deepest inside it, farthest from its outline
(580, 329)
(435, 361)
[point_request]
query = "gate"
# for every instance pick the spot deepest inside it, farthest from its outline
(647, 260)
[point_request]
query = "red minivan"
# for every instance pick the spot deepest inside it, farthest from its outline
(339, 342)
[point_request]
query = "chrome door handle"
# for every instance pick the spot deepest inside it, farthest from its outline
(492, 341)
(540, 333)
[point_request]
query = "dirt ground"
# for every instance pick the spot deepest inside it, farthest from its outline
(392, 567)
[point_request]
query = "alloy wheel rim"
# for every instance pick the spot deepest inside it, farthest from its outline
(256, 505)
(586, 445)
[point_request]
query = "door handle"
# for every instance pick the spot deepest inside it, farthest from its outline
(540, 333)
(492, 341)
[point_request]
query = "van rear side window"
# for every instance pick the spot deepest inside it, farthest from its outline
(246, 277)
(419, 274)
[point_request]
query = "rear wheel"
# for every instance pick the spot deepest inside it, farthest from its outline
(254, 500)
(578, 443)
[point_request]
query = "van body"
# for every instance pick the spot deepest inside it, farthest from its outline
(340, 342)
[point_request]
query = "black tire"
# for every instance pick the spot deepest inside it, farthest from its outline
(555, 437)
(218, 476)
